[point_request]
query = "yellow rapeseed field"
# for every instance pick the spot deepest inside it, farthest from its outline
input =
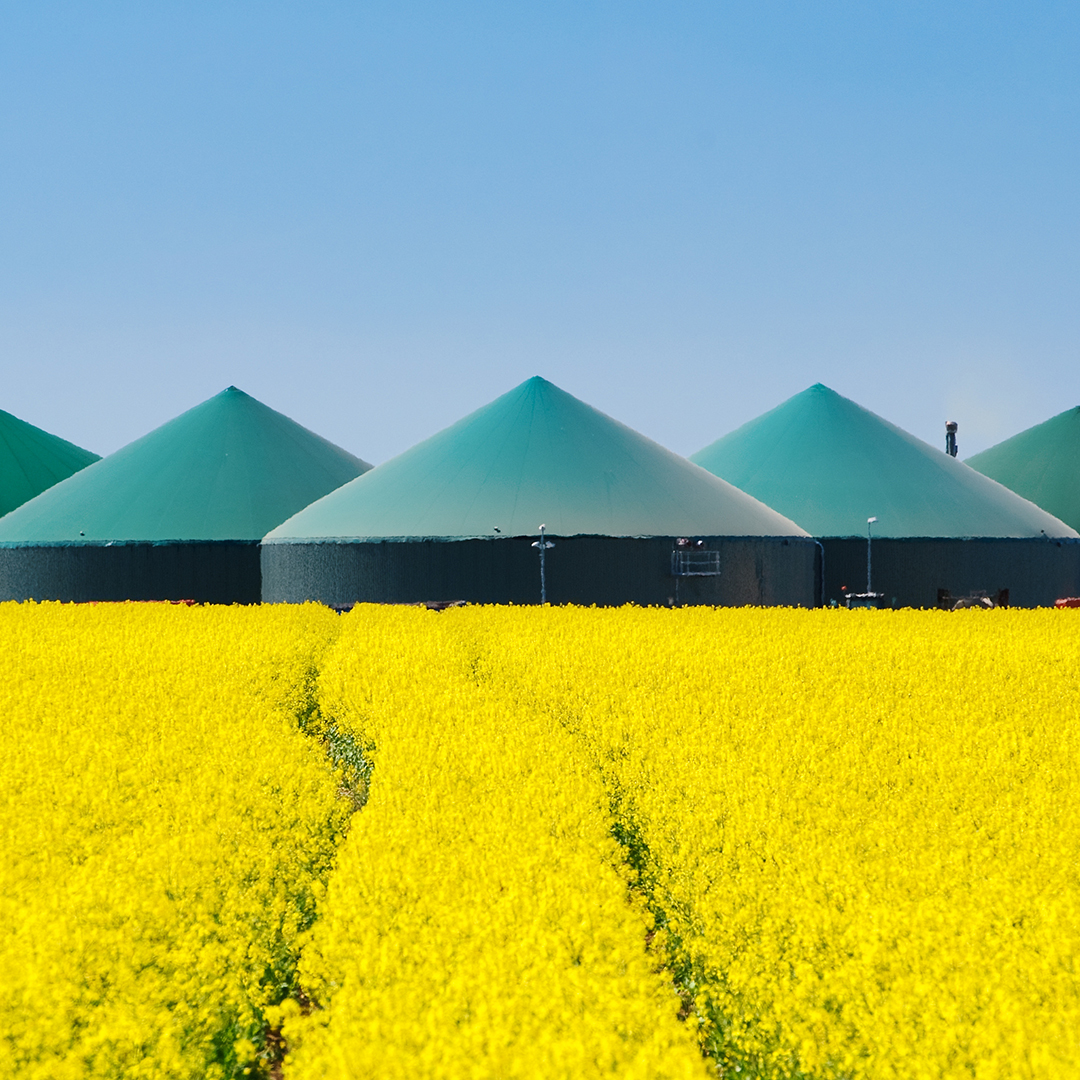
(166, 830)
(478, 923)
(855, 833)
(813, 844)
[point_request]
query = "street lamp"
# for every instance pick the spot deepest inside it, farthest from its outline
(543, 545)
(869, 521)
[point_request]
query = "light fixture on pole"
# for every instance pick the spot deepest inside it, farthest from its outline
(543, 545)
(869, 521)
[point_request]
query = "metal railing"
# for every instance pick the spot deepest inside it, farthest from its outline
(692, 563)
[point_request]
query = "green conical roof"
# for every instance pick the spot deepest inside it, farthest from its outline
(32, 460)
(229, 469)
(1041, 464)
(535, 455)
(829, 464)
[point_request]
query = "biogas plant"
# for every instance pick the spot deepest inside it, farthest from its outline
(538, 497)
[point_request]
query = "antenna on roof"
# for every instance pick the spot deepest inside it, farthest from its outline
(543, 545)
(950, 438)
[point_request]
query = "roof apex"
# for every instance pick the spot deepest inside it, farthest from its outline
(228, 469)
(828, 463)
(535, 454)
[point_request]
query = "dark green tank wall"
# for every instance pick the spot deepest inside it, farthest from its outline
(211, 572)
(910, 572)
(585, 570)
(581, 570)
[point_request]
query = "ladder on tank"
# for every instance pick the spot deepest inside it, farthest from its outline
(690, 558)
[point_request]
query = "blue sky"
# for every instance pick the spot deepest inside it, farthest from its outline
(377, 217)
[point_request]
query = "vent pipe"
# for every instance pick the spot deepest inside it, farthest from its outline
(950, 438)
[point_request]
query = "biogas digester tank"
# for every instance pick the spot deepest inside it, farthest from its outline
(1041, 464)
(457, 517)
(940, 528)
(177, 514)
(32, 460)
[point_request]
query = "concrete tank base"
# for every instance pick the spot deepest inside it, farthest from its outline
(600, 570)
(911, 572)
(211, 572)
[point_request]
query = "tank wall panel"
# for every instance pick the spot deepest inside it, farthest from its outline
(580, 569)
(910, 572)
(213, 573)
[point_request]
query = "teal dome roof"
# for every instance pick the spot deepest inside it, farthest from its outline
(1041, 464)
(228, 469)
(535, 455)
(32, 460)
(830, 464)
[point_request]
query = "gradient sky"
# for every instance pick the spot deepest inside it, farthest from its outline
(377, 217)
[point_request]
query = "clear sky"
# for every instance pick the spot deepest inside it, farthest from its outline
(377, 217)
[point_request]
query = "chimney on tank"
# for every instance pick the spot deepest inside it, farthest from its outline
(950, 438)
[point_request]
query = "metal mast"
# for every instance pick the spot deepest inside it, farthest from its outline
(543, 545)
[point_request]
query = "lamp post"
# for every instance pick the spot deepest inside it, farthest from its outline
(543, 545)
(869, 521)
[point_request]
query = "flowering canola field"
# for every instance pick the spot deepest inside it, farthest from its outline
(167, 830)
(765, 843)
(478, 923)
(854, 832)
